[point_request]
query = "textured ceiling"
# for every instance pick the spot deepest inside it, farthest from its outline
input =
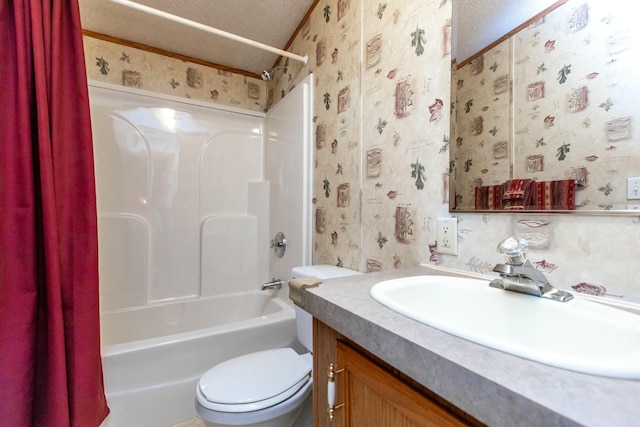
(478, 23)
(272, 22)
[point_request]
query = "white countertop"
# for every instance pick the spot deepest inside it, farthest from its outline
(495, 387)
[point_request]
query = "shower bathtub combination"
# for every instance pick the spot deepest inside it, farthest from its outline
(185, 192)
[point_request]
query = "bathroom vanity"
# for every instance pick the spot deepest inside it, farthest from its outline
(371, 392)
(422, 372)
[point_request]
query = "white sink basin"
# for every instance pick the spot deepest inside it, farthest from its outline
(578, 335)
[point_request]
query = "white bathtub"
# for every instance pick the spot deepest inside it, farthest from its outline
(153, 356)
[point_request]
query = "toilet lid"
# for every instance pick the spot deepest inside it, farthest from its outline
(254, 381)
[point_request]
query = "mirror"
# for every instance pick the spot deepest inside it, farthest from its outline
(547, 117)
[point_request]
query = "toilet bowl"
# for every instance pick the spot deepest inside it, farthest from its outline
(267, 388)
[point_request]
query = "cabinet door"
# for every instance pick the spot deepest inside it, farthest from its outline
(324, 353)
(374, 397)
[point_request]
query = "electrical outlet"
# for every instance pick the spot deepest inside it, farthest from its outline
(447, 236)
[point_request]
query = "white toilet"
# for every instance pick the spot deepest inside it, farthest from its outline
(267, 388)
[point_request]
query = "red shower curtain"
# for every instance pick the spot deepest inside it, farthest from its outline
(50, 365)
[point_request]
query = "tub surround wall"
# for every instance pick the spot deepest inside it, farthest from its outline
(190, 196)
(172, 187)
(288, 173)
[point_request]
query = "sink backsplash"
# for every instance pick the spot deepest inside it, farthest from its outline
(590, 255)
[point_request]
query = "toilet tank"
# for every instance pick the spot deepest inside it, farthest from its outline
(303, 319)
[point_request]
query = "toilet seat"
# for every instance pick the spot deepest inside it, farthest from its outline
(254, 381)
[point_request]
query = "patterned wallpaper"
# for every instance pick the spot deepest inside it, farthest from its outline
(382, 157)
(381, 128)
(122, 65)
(382, 152)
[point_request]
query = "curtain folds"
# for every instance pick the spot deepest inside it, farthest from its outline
(50, 364)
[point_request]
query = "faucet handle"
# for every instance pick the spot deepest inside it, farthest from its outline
(514, 249)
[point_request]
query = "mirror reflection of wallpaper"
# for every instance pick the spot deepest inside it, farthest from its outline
(481, 141)
(574, 107)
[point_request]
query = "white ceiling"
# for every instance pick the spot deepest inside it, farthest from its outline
(272, 22)
(476, 24)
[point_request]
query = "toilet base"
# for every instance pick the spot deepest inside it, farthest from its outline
(284, 420)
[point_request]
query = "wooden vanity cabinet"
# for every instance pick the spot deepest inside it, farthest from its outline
(372, 393)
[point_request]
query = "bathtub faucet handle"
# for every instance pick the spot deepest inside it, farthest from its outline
(273, 284)
(279, 244)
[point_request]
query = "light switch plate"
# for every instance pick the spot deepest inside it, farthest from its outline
(633, 188)
(447, 236)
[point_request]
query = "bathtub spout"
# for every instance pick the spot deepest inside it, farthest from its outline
(273, 284)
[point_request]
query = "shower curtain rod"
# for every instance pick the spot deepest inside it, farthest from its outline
(209, 29)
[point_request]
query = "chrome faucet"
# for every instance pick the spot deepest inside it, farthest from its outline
(273, 284)
(519, 275)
